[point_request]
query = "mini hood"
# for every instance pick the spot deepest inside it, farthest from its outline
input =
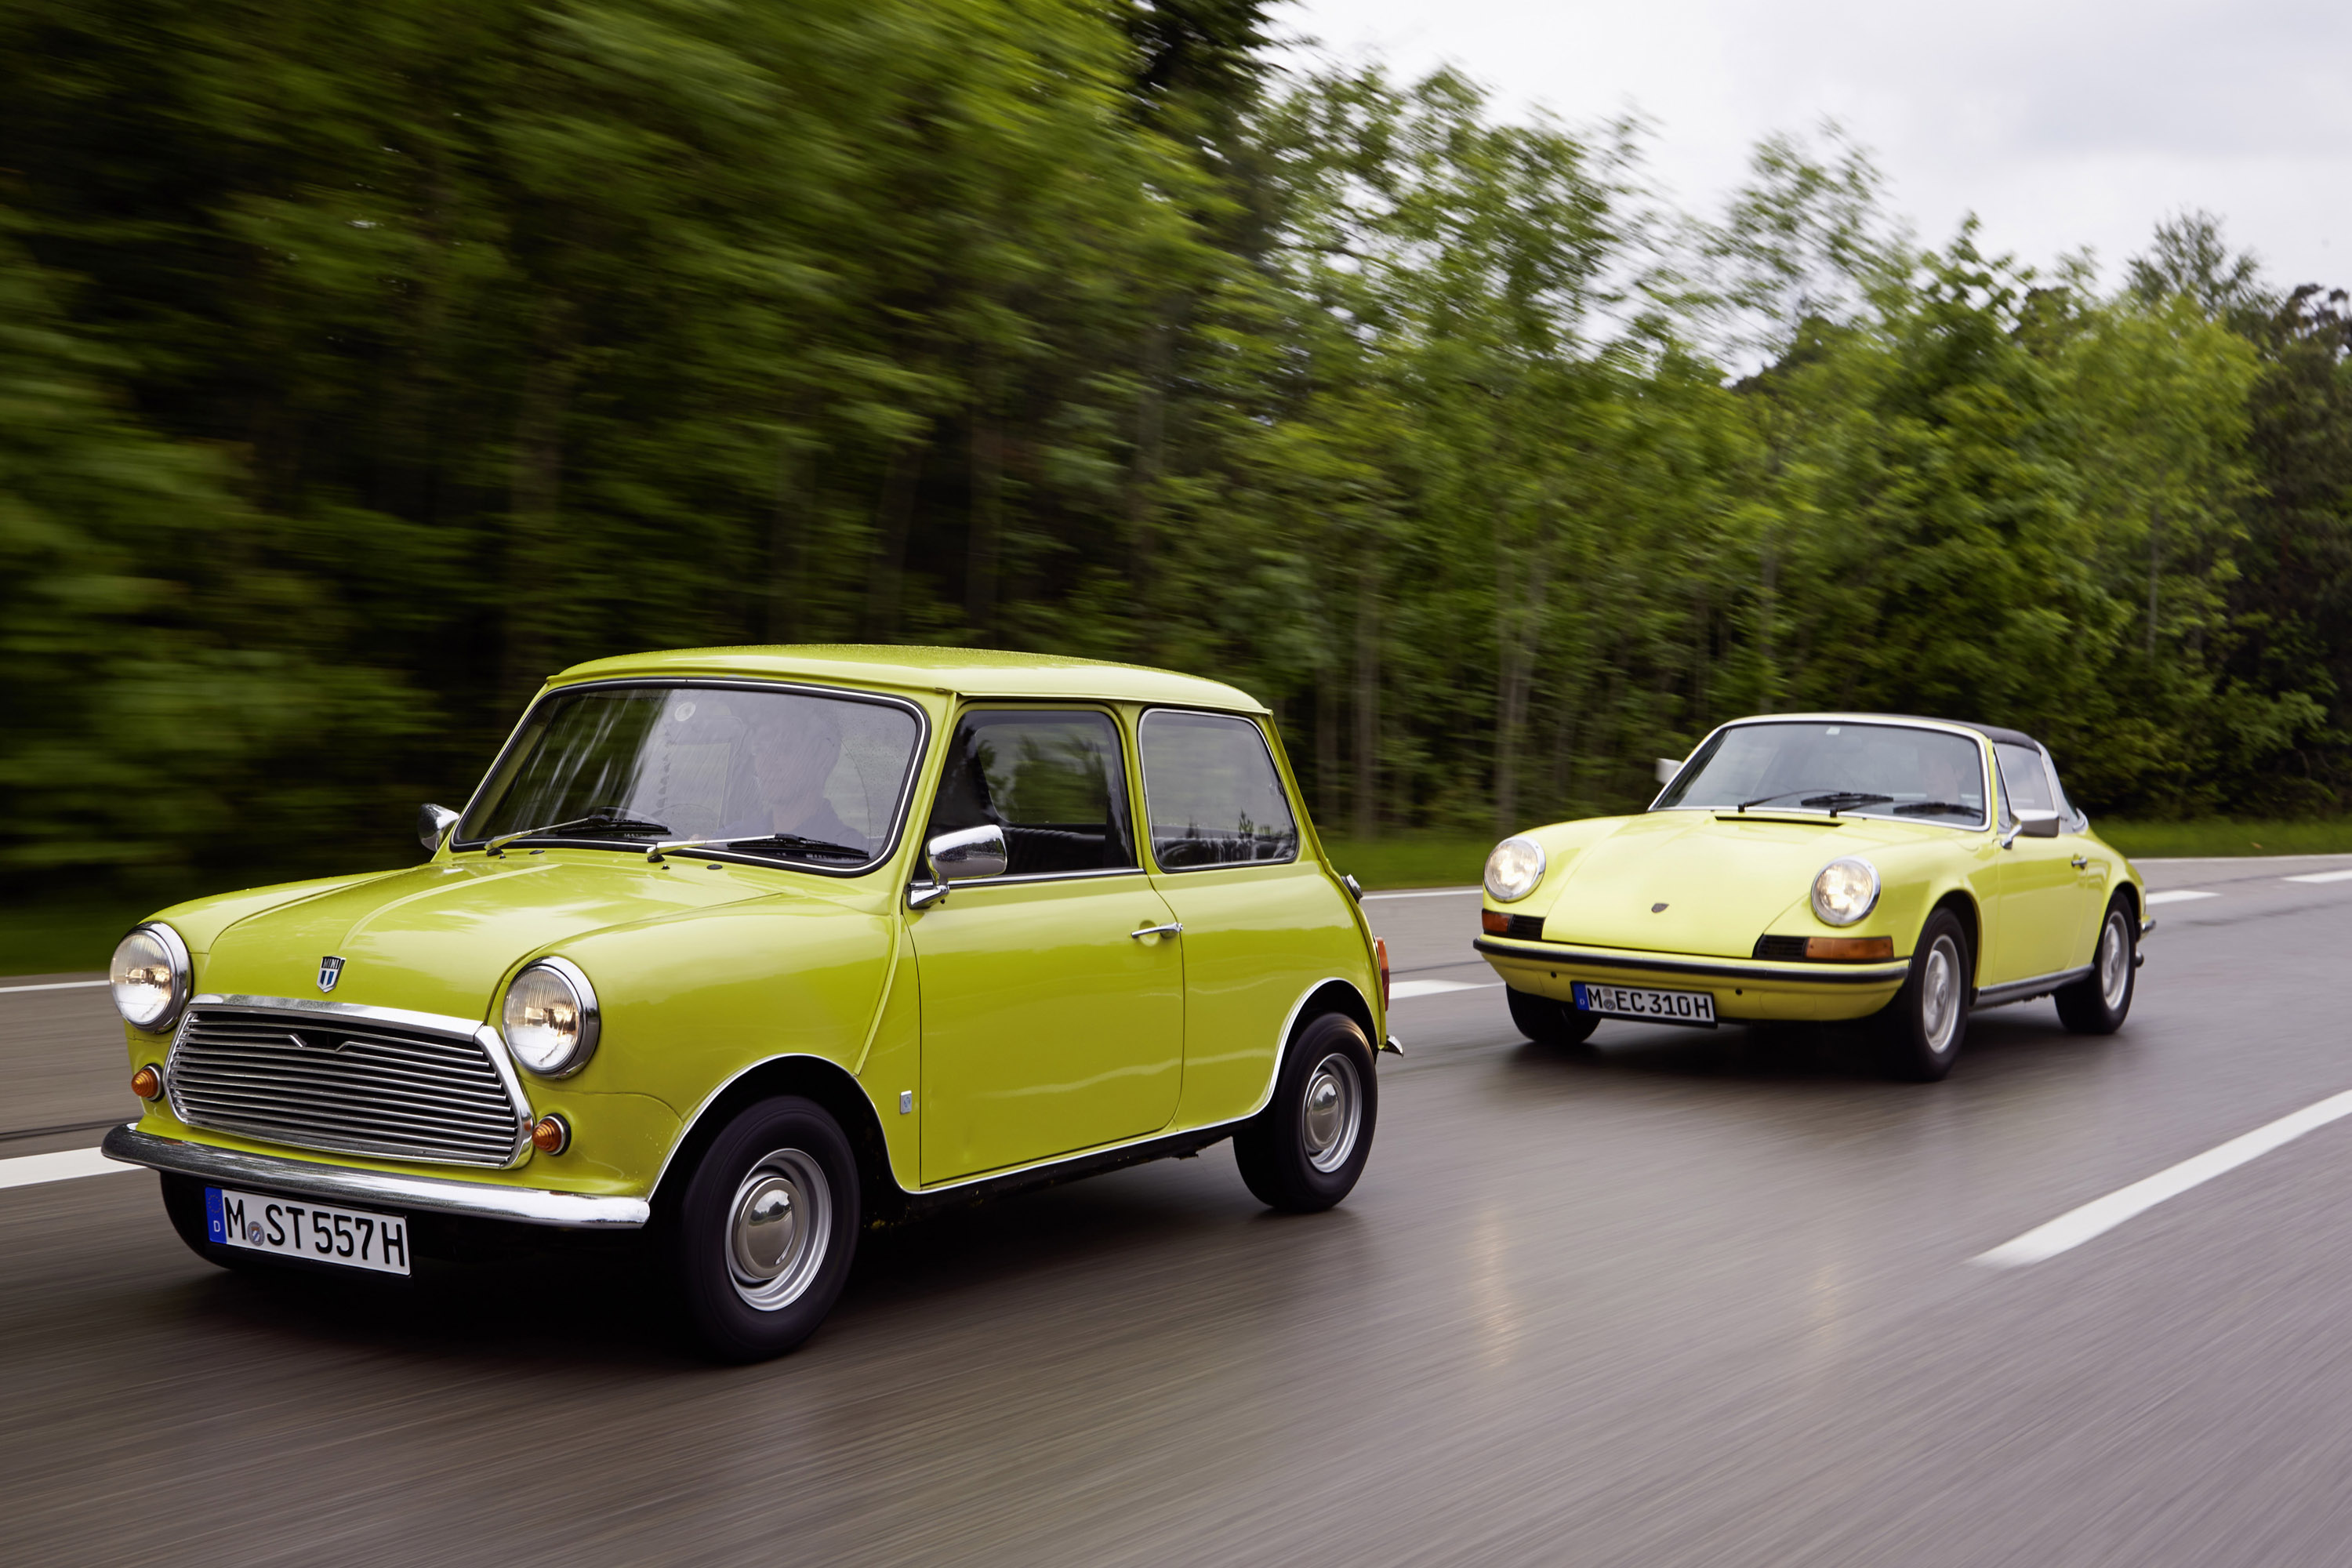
(1722, 881)
(440, 938)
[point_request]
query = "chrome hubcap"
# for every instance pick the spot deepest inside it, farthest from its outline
(2115, 961)
(777, 1230)
(1330, 1113)
(1939, 995)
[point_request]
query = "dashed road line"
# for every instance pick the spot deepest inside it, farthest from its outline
(2320, 877)
(1422, 893)
(1405, 989)
(30, 1170)
(2098, 1217)
(2180, 895)
(53, 985)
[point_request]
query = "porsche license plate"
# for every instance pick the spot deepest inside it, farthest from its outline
(1695, 1007)
(352, 1239)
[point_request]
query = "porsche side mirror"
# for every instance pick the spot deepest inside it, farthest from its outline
(1667, 768)
(433, 824)
(968, 855)
(2038, 824)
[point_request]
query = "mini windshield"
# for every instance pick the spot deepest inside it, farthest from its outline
(1851, 768)
(785, 776)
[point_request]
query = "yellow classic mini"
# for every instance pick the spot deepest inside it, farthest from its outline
(686, 965)
(1824, 867)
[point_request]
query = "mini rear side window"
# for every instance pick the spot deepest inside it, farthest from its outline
(1211, 793)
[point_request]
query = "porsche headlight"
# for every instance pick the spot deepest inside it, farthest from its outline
(1514, 869)
(150, 977)
(550, 1018)
(1846, 890)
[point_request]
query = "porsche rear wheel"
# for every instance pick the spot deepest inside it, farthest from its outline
(2099, 1003)
(1919, 1032)
(1549, 1022)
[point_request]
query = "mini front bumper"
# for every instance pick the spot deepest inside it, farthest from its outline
(310, 1179)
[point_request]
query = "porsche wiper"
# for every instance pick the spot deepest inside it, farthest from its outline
(1935, 808)
(1834, 802)
(794, 841)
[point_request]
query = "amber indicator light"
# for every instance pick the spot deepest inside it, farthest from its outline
(1851, 949)
(1495, 920)
(147, 1083)
(550, 1135)
(1380, 951)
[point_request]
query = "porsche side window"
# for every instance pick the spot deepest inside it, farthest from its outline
(1211, 793)
(2024, 781)
(1051, 779)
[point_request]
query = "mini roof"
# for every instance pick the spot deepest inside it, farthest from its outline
(962, 671)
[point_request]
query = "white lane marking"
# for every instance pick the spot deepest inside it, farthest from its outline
(1403, 990)
(2100, 1216)
(2320, 877)
(2180, 895)
(1423, 893)
(53, 985)
(29, 1170)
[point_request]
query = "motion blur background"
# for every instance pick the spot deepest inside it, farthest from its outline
(360, 366)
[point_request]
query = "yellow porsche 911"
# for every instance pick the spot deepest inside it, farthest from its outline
(1824, 867)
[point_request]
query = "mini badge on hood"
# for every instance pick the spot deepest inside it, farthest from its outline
(331, 969)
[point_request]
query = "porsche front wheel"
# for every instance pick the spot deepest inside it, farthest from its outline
(1919, 1032)
(2099, 1002)
(1549, 1022)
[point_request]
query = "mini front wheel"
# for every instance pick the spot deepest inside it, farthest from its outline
(765, 1231)
(1304, 1151)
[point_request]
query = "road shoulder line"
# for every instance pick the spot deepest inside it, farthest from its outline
(31, 1170)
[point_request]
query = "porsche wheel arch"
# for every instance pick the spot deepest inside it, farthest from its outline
(1964, 910)
(812, 1078)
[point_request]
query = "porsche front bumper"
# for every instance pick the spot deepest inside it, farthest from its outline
(1743, 989)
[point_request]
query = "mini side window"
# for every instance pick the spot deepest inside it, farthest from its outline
(1051, 779)
(1211, 793)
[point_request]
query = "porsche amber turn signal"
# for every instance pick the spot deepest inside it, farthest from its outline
(1851, 949)
(147, 1083)
(551, 1134)
(1496, 922)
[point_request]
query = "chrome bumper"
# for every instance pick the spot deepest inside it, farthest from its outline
(423, 1194)
(1684, 966)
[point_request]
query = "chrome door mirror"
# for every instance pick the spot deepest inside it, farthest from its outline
(2038, 824)
(967, 855)
(1667, 768)
(433, 824)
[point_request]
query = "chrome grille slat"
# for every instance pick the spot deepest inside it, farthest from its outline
(366, 1087)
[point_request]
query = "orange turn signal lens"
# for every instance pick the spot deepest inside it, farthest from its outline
(1850, 949)
(1495, 920)
(1380, 951)
(147, 1083)
(551, 1134)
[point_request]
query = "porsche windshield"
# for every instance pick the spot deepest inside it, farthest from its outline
(787, 775)
(1850, 769)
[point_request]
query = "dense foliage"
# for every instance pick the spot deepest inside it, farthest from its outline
(359, 367)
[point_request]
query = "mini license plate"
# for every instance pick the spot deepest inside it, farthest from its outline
(1695, 1007)
(350, 1237)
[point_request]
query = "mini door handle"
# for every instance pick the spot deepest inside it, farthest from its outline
(1173, 928)
(2078, 862)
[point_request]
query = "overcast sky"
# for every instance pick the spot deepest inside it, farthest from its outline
(2061, 124)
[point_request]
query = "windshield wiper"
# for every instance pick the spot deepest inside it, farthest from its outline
(1935, 808)
(805, 846)
(602, 823)
(1835, 801)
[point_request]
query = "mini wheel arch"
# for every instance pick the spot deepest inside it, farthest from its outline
(812, 1078)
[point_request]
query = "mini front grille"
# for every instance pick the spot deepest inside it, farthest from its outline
(355, 1086)
(1786, 948)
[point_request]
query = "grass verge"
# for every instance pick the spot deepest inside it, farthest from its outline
(2222, 835)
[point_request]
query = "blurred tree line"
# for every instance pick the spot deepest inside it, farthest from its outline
(361, 366)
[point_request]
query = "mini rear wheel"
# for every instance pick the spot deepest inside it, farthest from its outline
(1549, 1022)
(1919, 1032)
(1305, 1151)
(763, 1235)
(2099, 1003)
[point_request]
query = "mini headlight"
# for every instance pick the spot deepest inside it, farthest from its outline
(1514, 869)
(1846, 890)
(550, 1018)
(150, 977)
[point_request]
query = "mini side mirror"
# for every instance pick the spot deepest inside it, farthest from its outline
(967, 855)
(433, 824)
(2038, 824)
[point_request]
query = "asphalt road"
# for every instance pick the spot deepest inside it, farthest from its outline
(1690, 1298)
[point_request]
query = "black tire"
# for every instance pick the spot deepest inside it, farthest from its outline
(1549, 1022)
(756, 1289)
(2100, 1001)
(1920, 1033)
(184, 1206)
(1302, 1157)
